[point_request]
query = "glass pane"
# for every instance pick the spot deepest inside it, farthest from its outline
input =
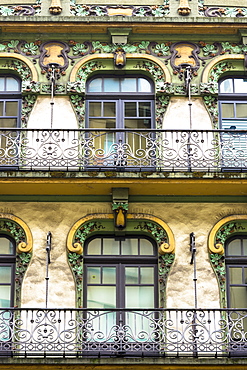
(102, 123)
(94, 109)
(235, 275)
(147, 275)
(227, 110)
(146, 247)
(129, 247)
(144, 109)
(244, 247)
(109, 275)
(234, 248)
(226, 86)
(1, 108)
(130, 109)
(11, 108)
(131, 275)
(109, 109)
(12, 84)
(5, 296)
(245, 275)
(5, 274)
(101, 296)
(94, 246)
(111, 247)
(238, 297)
(6, 247)
(111, 84)
(144, 85)
(95, 85)
(2, 79)
(93, 275)
(128, 85)
(241, 110)
(8, 122)
(137, 123)
(240, 86)
(139, 297)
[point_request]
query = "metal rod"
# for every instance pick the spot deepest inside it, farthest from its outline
(48, 261)
(193, 262)
(194, 321)
(53, 82)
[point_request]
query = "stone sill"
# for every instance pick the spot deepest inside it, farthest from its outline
(113, 174)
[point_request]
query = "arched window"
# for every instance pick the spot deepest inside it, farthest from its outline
(7, 271)
(236, 267)
(10, 101)
(124, 108)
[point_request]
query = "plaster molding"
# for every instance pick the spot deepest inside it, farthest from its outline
(215, 229)
(23, 59)
(130, 216)
(219, 58)
(26, 246)
(102, 56)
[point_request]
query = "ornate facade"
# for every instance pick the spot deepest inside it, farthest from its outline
(123, 158)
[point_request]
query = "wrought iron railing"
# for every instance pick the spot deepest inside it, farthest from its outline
(123, 332)
(128, 150)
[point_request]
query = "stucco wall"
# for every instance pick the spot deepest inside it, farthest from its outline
(178, 114)
(59, 217)
(63, 114)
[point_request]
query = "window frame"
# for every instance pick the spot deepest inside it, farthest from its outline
(120, 98)
(9, 260)
(234, 261)
(232, 97)
(11, 95)
(121, 261)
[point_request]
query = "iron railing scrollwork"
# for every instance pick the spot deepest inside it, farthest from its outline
(128, 150)
(123, 332)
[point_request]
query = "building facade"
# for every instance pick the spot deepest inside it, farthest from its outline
(123, 158)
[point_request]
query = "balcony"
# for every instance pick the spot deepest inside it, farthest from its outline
(128, 150)
(123, 333)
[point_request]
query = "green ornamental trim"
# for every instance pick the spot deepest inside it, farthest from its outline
(211, 103)
(218, 261)
(123, 205)
(214, 11)
(150, 228)
(28, 102)
(104, 10)
(218, 70)
(21, 10)
(15, 231)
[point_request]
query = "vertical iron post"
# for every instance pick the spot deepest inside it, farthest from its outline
(53, 82)
(193, 262)
(48, 261)
(194, 321)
